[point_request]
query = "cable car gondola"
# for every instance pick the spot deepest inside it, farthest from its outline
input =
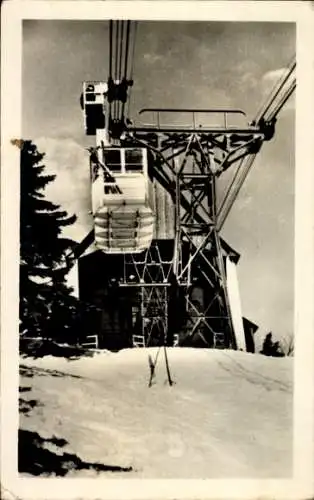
(123, 218)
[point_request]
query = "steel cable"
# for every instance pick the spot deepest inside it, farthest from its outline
(274, 93)
(240, 175)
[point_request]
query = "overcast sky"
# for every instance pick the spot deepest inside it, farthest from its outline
(177, 65)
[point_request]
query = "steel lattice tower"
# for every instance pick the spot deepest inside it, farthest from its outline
(188, 163)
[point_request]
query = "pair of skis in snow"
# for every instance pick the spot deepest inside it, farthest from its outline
(153, 363)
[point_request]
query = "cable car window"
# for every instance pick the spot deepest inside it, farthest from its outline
(113, 160)
(89, 97)
(134, 160)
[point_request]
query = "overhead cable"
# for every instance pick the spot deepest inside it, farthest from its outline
(268, 113)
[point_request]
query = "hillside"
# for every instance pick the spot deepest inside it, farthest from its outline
(229, 414)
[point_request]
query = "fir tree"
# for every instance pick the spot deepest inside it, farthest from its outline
(47, 307)
(271, 348)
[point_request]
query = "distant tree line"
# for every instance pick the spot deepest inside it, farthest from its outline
(277, 349)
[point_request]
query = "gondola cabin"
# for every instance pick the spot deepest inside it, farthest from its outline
(123, 218)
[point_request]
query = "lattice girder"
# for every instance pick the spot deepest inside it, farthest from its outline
(188, 164)
(151, 274)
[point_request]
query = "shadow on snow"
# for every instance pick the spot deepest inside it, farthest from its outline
(37, 460)
(33, 455)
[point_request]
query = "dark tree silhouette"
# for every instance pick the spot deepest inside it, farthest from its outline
(271, 348)
(47, 308)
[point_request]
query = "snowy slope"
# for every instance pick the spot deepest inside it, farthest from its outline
(229, 414)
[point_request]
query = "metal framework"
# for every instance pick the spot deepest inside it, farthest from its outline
(151, 275)
(188, 162)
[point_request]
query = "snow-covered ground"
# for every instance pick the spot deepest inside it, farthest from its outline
(229, 414)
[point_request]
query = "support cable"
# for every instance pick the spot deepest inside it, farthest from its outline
(116, 50)
(121, 51)
(110, 59)
(272, 107)
(117, 24)
(126, 63)
(278, 87)
(132, 64)
(110, 49)
(283, 101)
(223, 214)
(119, 60)
(126, 49)
(228, 191)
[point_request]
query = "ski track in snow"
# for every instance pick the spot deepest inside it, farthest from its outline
(229, 414)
